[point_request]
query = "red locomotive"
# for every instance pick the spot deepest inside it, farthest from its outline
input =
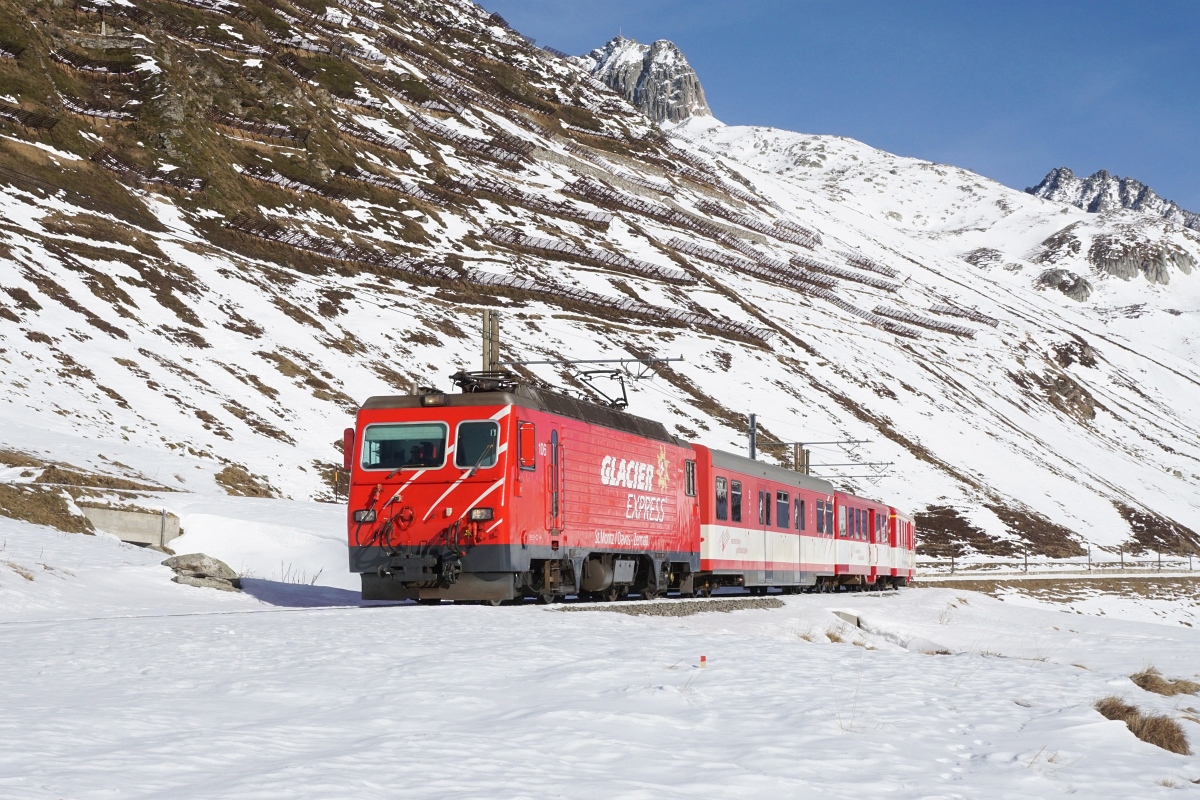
(507, 491)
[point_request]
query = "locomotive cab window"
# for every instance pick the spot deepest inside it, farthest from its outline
(689, 478)
(527, 445)
(419, 445)
(722, 498)
(477, 444)
(782, 508)
(735, 500)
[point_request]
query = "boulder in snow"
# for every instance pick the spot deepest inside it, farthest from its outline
(197, 569)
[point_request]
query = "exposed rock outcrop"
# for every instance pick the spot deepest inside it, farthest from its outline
(1105, 192)
(1073, 286)
(1126, 259)
(655, 78)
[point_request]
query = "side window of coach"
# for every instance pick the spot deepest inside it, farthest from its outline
(689, 478)
(800, 517)
(820, 516)
(722, 498)
(829, 517)
(782, 506)
(735, 500)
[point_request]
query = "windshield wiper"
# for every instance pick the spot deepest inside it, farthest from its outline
(482, 456)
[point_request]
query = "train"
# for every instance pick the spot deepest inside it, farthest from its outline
(506, 490)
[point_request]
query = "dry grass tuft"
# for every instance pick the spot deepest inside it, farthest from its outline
(41, 506)
(1152, 680)
(237, 482)
(12, 458)
(834, 635)
(67, 477)
(1156, 729)
(17, 568)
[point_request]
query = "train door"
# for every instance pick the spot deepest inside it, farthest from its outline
(759, 571)
(893, 544)
(825, 544)
(873, 547)
(554, 483)
(843, 557)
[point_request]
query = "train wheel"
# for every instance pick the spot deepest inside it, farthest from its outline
(546, 598)
(704, 591)
(611, 594)
(493, 603)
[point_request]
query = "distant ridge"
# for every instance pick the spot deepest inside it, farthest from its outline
(1103, 191)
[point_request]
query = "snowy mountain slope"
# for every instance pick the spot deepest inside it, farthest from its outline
(427, 164)
(1102, 191)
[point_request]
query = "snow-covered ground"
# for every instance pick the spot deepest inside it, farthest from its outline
(119, 683)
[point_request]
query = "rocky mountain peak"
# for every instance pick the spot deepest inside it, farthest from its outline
(656, 78)
(1103, 191)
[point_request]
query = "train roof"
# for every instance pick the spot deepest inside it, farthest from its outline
(542, 400)
(761, 469)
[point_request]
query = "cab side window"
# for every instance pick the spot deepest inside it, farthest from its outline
(527, 446)
(722, 498)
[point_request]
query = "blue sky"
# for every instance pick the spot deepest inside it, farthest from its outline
(1008, 88)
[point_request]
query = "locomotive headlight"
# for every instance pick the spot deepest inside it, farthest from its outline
(364, 515)
(428, 400)
(481, 514)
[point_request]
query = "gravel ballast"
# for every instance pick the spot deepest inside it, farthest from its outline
(681, 608)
